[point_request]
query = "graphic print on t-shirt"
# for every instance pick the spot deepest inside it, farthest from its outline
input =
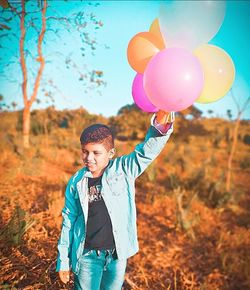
(95, 193)
(99, 234)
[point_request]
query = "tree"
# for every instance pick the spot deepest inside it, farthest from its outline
(229, 114)
(35, 20)
(123, 125)
(127, 109)
(14, 105)
(3, 104)
(191, 111)
(233, 148)
(210, 112)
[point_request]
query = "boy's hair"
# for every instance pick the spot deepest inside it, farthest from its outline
(98, 133)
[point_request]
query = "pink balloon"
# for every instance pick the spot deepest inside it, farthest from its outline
(139, 95)
(173, 79)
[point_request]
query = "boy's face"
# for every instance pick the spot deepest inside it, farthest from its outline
(96, 157)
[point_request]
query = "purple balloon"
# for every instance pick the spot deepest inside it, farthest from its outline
(139, 95)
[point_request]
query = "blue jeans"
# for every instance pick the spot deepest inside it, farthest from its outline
(99, 270)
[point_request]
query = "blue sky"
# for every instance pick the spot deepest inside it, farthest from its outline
(122, 20)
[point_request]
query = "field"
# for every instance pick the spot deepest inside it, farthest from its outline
(193, 234)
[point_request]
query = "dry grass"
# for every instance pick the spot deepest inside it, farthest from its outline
(184, 243)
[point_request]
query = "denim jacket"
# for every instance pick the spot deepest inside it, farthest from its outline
(118, 191)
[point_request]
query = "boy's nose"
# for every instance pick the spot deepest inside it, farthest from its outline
(89, 157)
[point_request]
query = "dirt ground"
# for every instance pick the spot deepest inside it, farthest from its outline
(212, 252)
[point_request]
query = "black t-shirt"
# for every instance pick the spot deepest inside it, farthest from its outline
(99, 228)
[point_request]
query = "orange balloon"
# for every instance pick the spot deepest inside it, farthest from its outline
(141, 48)
(155, 29)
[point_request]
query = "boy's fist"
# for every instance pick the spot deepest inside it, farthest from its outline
(163, 117)
(64, 276)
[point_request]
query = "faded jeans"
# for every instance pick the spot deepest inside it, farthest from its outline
(99, 270)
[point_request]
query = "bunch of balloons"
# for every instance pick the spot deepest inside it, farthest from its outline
(175, 66)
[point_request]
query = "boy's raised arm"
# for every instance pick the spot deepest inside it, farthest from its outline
(156, 138)
(163, 121)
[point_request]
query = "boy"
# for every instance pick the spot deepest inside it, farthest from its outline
(99, 217)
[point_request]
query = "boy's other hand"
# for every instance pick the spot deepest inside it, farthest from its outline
(64, 276)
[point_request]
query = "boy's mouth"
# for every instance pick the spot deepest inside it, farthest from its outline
(90, 163)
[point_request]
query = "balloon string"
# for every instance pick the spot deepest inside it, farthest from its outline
(166, 121)
(172, 117)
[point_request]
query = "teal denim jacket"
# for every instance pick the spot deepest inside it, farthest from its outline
(118, 191)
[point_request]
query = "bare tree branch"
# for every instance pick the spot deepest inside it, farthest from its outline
(15, 11)
(22, 55)
(4, 26)
(40, 56)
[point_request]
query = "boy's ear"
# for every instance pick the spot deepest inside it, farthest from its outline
(112, 153)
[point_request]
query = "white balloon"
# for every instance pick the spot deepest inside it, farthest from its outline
(189, 24)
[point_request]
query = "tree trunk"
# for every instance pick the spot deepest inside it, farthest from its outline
(28, 102)
(235, 140)
(26, 127)
(231, 154)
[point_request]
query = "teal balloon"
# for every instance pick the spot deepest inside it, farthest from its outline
(188, 24)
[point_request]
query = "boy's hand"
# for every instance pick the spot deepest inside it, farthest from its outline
(163, 121)
(162, 117)
(64, 276)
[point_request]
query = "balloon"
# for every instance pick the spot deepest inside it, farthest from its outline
(173, 79)
(141, 48)
(218, 70)
(155, 29)
(139, 95)
(189, 24)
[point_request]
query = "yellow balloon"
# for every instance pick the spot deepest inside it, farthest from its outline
(155, 29)
(219, 72)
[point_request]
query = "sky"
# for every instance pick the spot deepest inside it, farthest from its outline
(121, 21)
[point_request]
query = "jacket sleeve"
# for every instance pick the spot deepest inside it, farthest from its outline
(69, 214)
(138, 160)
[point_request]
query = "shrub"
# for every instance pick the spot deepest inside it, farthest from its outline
(211, 192)
(245, 163)
(246, 139)
(18, 225)
(234, 253)
(172, 182)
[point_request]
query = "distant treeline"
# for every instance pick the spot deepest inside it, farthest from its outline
(129, 124)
